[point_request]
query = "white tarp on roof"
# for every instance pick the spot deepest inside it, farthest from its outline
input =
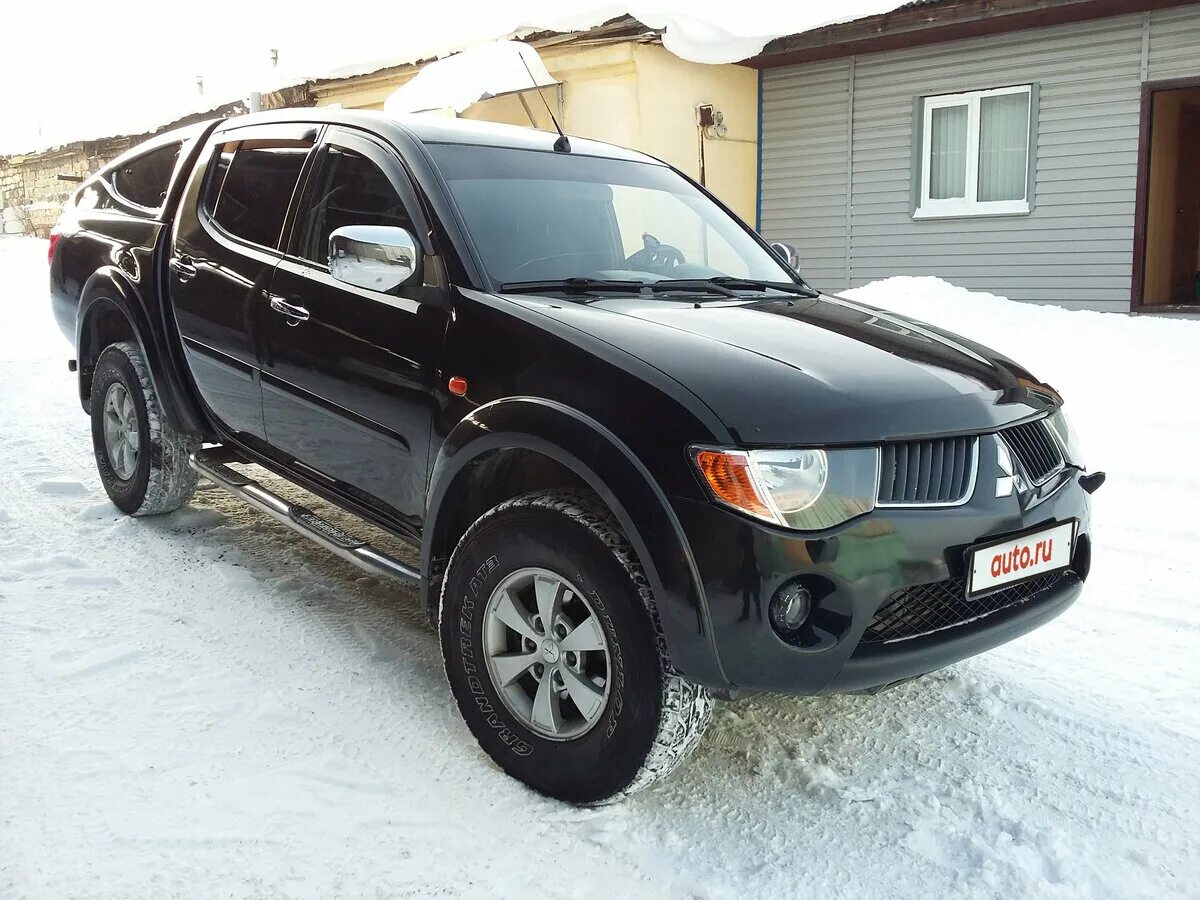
(489, 70)
(105, 76)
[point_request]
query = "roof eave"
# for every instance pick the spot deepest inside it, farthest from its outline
(618, 29)
(939, 21)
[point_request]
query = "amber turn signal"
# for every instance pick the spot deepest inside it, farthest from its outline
(728, 476)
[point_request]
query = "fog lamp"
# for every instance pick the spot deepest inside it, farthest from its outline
(790, 608)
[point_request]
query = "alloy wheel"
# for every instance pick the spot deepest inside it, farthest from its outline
(547, 654)
(122, 440)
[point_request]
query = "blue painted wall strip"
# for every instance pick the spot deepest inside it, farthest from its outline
(758, 160)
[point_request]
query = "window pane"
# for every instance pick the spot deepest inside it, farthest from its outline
(1003, 146)
(639, 211)
(948, 153)
(565, 216)
(351, 190)
(215, 177)
(144, 180)
(256, 192)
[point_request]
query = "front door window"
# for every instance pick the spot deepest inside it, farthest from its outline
(349, 190)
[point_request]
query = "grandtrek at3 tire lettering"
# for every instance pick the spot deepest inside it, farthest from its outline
(466, 648)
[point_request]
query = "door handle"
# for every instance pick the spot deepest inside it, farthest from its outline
(182, 266)
(294, 314)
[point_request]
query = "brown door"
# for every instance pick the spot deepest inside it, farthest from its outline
(1185, 248)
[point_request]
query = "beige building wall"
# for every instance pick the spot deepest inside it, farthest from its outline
(634, 94)
(669, 90)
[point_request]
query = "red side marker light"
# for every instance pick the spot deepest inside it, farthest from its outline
(457, 385)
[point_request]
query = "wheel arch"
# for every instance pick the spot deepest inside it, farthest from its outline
(523, 444)
(111, 309)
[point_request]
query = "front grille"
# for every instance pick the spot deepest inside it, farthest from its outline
(1035, 448)
(924, 473)
(927, 608)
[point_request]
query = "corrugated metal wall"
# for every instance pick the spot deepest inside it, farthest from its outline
(1076, 246)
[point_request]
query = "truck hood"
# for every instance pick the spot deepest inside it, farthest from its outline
(820, 371)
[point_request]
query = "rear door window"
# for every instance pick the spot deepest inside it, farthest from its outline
(143, 180)
(250, 187)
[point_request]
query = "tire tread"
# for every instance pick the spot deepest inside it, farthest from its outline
(685, 708)
(172, 480)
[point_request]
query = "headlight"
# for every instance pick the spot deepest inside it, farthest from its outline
(804, 489)
(1061, 428)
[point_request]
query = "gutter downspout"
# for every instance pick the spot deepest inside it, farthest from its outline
(758, 158)
(849, 166)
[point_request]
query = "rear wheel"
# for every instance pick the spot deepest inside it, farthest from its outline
(142, 460)
(553, 653)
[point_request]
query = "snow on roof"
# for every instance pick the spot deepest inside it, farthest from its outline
(462, 79)
(204, 61)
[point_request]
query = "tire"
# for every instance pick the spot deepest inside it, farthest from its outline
(155, 478)
(651, 718)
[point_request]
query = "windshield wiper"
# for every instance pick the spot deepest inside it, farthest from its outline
(574, 285)
(727, 284)
(787, 287)
(723, 285)
(711, 285)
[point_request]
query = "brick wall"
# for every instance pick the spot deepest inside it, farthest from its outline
(31, 193)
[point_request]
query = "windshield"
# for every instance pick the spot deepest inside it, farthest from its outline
(538, 216)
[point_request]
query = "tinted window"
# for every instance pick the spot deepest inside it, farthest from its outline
(144, 179)
(250, 188)
(349, 190)
(535, 215)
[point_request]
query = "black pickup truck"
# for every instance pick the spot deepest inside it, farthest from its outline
(644, 462)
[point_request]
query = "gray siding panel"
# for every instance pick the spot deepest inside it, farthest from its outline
(1088, 81)
(1075, 248)
(804, 173)
(1174, 44)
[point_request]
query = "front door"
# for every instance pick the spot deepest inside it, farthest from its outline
(224, 251)
(348, 376)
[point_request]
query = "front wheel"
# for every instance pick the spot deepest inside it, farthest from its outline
(142, 460)
(554, 656)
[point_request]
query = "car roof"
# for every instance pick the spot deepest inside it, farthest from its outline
(430, 128)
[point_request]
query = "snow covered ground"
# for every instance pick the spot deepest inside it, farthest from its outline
(201, 705)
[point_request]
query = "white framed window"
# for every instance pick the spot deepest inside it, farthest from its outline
(975, 153)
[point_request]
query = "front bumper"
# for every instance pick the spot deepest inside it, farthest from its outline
(742, 563)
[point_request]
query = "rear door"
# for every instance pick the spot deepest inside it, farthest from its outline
(348, 388)
(225, 248)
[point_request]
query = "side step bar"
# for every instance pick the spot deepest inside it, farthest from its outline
(211, 464)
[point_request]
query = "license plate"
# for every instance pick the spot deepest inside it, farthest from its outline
(1007, 562)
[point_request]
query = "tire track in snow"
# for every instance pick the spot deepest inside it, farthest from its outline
(331, 620)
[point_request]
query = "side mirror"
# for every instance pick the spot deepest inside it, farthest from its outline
(376, 257)
(787, 253)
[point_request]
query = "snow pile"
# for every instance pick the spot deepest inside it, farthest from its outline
(228, 49)
(204, 705)
(458, 81)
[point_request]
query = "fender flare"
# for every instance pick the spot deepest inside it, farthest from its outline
(108, 287)
(611, 469)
